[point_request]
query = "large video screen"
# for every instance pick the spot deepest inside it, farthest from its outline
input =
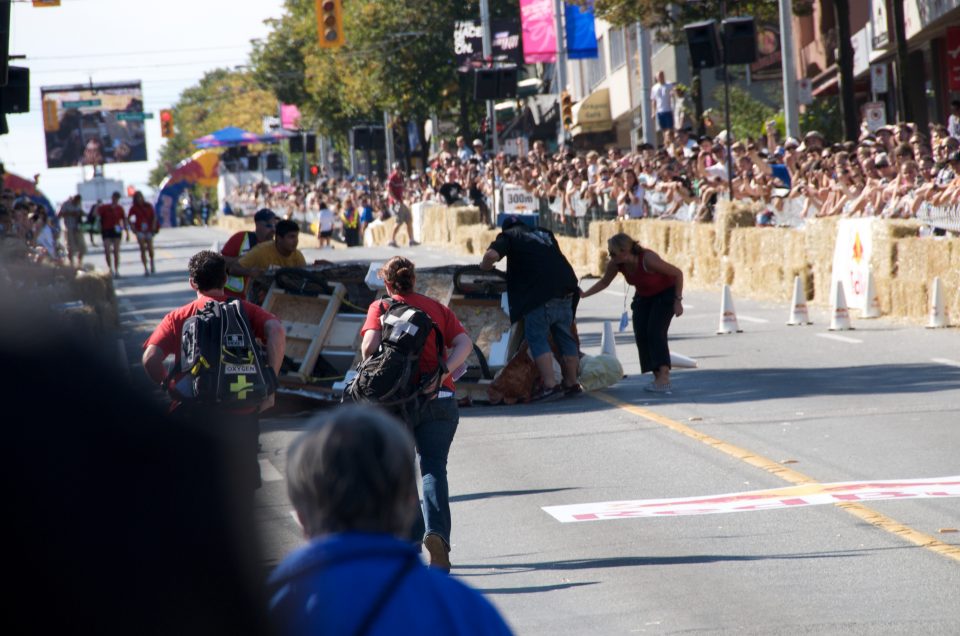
(93, 124)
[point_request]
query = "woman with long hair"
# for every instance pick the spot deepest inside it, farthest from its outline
(657, 299)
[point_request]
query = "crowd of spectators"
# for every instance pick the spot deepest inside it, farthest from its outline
(891, 172)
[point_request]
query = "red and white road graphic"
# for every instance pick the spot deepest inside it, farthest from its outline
(774, 499)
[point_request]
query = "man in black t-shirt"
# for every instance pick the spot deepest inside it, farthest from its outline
(451, 191)
(541, 289)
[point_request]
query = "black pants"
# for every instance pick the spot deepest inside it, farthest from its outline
(651, 320)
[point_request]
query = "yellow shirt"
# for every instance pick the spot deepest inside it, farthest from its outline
(263, 255)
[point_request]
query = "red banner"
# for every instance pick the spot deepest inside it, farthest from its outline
(953, 58)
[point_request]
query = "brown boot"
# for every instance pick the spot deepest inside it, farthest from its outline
(439, 552)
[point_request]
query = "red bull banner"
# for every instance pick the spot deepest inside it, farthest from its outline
(539, 31)
(773, 499)
(200, 169)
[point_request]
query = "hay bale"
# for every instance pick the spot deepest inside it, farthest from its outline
(732, 214)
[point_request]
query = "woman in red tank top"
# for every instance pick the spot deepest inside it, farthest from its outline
(658, 296)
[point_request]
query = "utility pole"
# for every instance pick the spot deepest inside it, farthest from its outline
(646, 74)
(788, 62)
(726, 107)
(904, 107)
(488, 58)
(561, 65)
(388, 140)
(851, 128)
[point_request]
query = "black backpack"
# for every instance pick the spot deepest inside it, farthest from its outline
(220, 360)
(389, 377)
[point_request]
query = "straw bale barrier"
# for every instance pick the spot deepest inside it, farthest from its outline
(757, 262)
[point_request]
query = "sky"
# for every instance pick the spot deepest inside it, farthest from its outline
(168, 46)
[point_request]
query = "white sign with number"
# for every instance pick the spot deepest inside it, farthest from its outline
(516, 200)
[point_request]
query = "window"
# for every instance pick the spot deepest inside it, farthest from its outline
(596, 69)
(618, 52)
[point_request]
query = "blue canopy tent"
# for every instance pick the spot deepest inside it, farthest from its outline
(229, 136)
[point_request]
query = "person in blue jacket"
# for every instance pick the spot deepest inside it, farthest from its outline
(351, 480)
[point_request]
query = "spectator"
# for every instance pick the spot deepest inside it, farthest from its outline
(71, 212)
(350, 479)
(661, 99)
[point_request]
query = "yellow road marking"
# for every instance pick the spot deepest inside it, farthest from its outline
(789, 475)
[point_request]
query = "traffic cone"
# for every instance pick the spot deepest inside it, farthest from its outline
(938, 313)
(680, 361)
(798, 313)
(728, 315)
(608, 346)
(841, 315)
(873, 301)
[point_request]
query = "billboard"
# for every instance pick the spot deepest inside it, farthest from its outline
(93, 124)
(468, 43)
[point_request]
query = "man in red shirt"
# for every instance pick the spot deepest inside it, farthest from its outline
(143, 220)
(264, 224)
(208, 274)
(401, 213)
(112, 225)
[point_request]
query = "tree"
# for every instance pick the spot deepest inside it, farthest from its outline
(667, 17)
(222, 98)
(398, 57)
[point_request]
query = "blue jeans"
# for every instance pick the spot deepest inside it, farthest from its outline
(555, 317)
(434, 435)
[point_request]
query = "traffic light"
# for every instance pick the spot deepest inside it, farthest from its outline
(166, 123)
(566, 110)
(330, 23)
(51, 119)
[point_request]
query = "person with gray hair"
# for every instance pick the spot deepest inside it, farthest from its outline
(351, 479)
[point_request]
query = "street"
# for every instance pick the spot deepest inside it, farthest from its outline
(769, 408)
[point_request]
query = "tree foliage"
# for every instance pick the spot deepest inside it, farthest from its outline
(222, 98)
(398, 57)
(667, 17)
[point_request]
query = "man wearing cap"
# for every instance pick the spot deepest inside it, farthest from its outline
(479, 153)
(541, 289)
(264, 222)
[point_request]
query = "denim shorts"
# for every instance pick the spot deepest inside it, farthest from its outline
(556, 318)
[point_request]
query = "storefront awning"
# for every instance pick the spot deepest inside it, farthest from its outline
(592, 114)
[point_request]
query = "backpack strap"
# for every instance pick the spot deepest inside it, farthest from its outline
(385, 594)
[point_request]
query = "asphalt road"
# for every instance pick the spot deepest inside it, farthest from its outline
(771, 407)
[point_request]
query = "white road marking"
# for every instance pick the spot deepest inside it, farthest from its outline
(268, 472)
(831, 336)
(946, 361)
(751, 319)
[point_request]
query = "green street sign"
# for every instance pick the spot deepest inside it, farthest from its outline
(124, 116)
(85, 103)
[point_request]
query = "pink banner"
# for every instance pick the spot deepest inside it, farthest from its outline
(539, 31)
(953, 58)
(289, 116)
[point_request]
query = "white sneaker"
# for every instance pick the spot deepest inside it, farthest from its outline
(659, 388)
